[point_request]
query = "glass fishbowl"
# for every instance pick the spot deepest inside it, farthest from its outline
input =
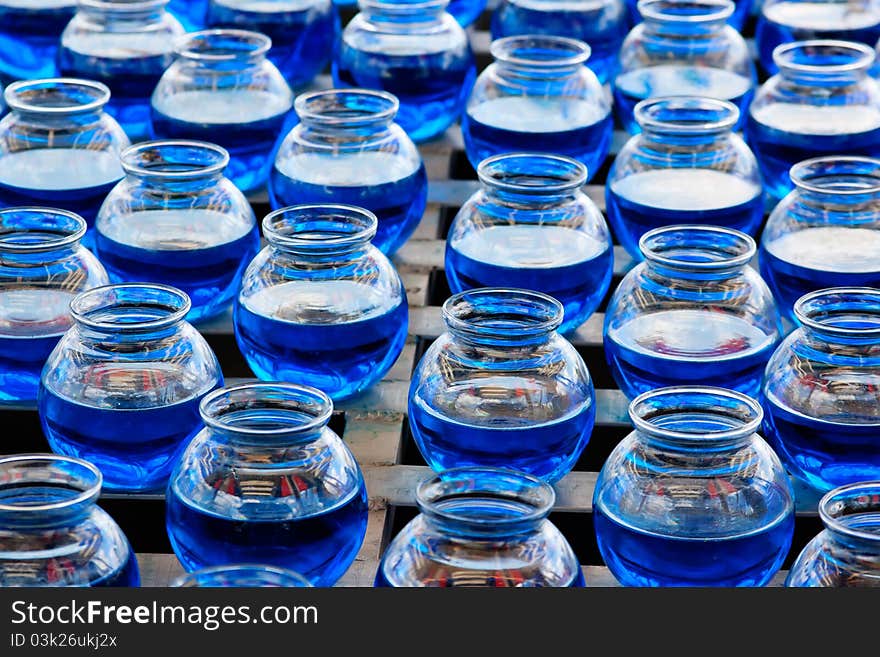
(122, 387)
(348, 150)
(415, 50)
(826, 232)
(125, 45)
(267, 481)
(694, 312)
(176, 219)
(693, 496)
(822, 102)
(58, 147)
(686, 166)
(52, 530)
(537, 96)
(43, 266)
(222, 89)
(683, 48)
(320, 305)
(531, 226)
(481, 527)
(847, 552)
(501, 388)
(820, 392)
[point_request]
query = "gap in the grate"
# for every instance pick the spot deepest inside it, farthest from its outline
(460, 167)
(22, 432)
(142, 519)
(483, 59)
(226, 349)
(444, 223)
(438, 288)
(483, 22)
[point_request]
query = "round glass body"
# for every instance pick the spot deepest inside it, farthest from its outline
(43, 266)
(175, 219)
(123, 385)
(53, 532)
(481, 527)
(348, 150)
(267, 481)
(501, 387)
(693, 496)
(320, 305)
(694, 312)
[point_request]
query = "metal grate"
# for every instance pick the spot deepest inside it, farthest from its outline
(375, 426)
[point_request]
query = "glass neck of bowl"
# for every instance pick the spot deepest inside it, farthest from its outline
(33, 236)
(489, 505)
(673, 27)
(499, 333)
(840, 183)
(129, 313)
(340, 133)
(110, 13)
(695, 421)
(224, 51)
(176, 185)
(819, 78)
(692, 271)
(697, 447)
(403, 16)
(845, 319)
(703, 253)
(320, 253)
(533, 198)
(271, 417)
(827, 64)
(121, 333)
(851, 515)
(46, 493)
(43, 255)
(320, 234)
(462, 528)
(175, 166)
(669, 136)
(295, 444)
